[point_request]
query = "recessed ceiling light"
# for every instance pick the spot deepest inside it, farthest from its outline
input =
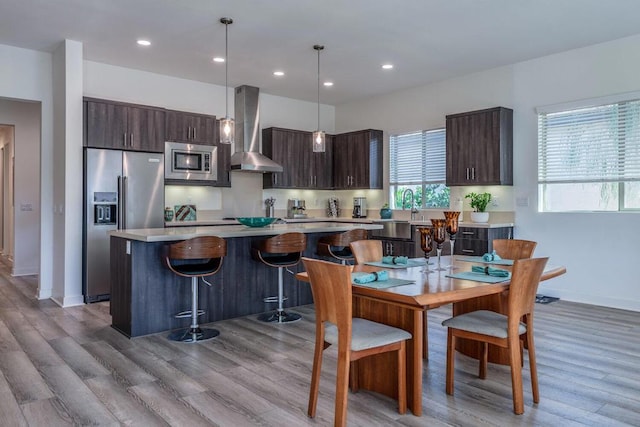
(278, 73)
(142, 42)
(218, 59)
(387, 66)
(327, 84)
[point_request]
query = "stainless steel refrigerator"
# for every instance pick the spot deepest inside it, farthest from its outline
(122, 190)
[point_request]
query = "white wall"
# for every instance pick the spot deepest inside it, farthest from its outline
(599, 250)
(24, 215)
(67, 173)
(26, 75)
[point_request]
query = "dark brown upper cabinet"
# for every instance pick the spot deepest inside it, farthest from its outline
(191, 128)
(123, 126)
(302, 168)
(480, 147)
(357, 160)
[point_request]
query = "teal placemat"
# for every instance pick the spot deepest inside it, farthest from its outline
(390, 283)
(479, 259)
(410, 263)
(477, 277)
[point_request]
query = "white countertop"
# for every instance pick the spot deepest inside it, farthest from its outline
(183, 233)
(336, 220)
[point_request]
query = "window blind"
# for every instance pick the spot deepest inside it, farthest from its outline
(591, 144)
(417, 158)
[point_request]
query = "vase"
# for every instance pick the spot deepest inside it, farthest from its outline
(479, 216)
(385, 213)
(168, 214)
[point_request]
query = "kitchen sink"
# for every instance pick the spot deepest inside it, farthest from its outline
(393, 229)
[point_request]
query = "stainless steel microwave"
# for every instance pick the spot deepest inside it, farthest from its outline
(190, 161)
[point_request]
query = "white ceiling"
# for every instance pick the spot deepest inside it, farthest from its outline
(426, 40)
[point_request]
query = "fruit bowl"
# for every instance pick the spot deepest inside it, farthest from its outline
(256, 221)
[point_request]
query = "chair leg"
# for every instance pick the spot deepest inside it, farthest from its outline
(280, 315)
(194, 333)
(402, 379)
(315, 375)
(532, 363)
(484, 358)
(516, 375)
(353, 377)
(342, 387)
(450, 360)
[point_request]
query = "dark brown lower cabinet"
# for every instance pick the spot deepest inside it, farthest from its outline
(478, 241)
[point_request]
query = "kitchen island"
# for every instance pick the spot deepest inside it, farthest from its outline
(145, 295)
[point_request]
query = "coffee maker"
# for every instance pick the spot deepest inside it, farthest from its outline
(359, 207)
(296, 208)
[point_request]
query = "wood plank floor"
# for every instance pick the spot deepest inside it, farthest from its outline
(68, 367)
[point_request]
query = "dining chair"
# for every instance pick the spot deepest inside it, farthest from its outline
(356, 338)
(370, 251)
(366, 251)
(507, 331)
(514, 248)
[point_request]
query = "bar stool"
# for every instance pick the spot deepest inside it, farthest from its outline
(282, 251)
(197, 257)
(337, 245)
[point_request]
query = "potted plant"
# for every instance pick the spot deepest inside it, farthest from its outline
(385, 212)
(479, 203)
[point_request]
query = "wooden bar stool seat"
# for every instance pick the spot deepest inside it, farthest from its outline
(194, 258)
(337, 245)
(281, 251)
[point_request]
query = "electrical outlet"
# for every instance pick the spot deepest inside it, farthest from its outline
(494, 202)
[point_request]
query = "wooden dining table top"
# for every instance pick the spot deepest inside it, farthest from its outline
(433, 289)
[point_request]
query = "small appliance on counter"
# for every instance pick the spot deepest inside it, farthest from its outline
(296, 209)
(359, 207)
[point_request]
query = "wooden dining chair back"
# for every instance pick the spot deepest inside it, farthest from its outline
(355, 337)
(514, 248)
(337, 245)
(366, 250)
(507, 331)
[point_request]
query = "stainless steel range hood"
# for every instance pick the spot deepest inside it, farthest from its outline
(247, 156)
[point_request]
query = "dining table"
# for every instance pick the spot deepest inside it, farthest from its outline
(403, 305)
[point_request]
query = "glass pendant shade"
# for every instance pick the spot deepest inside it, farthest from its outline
(227, 125)
(319, 141)
(227, 130)
(318, 136)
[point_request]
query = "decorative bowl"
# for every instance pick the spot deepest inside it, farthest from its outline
(256, 221)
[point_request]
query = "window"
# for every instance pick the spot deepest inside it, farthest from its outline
(589, 158)
(417, 162)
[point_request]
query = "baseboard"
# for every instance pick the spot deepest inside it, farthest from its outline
(30, 271)
(69, 301)
(601, 300)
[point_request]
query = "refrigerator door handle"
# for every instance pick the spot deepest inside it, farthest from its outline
(119, 219)
(124, 202)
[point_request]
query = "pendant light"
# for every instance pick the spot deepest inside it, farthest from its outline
(318, 135)
(227, 125)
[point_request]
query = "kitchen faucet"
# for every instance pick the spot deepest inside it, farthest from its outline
(414, 211)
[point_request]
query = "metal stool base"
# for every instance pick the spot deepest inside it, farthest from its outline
(193, 334)
(279, 317)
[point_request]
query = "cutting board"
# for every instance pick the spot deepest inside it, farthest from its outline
(185, 212)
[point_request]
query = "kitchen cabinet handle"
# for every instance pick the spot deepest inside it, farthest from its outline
(189, 132)
(467, 174)
(473, 174)
(131, 140)
(124, 139)
(194, 133)
(469, 232)
(467, 251)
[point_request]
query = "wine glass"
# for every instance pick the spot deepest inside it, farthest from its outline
(426, 245)
(452, 229)
(439, 236)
